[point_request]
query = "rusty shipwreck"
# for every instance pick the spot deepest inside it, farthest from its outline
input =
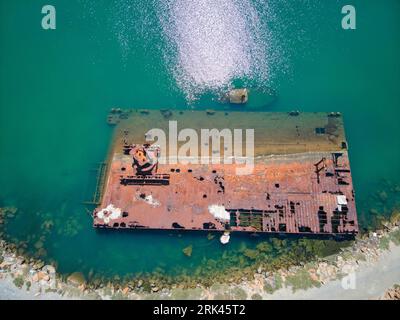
(301, 182)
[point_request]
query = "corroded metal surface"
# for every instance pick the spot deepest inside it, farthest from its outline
(293, 192)
(275, 132)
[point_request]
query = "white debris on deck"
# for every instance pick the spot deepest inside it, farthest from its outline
(109, 213)
(341, 201)
(219, 212)
(151, 201)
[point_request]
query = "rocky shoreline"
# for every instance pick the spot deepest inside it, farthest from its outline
(393, 293)
(25, 278)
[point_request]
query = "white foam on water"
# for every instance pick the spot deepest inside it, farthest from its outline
(210, 43)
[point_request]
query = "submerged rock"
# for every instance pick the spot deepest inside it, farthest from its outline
(39, 244)
(383, 196)
(188, 251)
(210, 236)
(11, 211)
(374, 212)
(395, 217)
(264, 247)
(47, 225)
(251, 254)
(76, 278)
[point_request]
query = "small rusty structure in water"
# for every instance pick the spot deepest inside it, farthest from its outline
(301, 182)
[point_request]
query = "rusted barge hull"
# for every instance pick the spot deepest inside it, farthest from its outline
(301, 182)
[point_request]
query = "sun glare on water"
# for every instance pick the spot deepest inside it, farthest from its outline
(210, 43)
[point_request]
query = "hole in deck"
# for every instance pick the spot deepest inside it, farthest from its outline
(176, 225)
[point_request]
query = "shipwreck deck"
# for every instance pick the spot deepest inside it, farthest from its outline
(301, 182)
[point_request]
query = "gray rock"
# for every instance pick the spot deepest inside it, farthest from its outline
(38, 265)
(49, 269)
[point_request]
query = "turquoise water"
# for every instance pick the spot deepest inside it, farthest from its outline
(56, 88)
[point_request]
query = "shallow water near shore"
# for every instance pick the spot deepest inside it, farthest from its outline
(56, 88)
